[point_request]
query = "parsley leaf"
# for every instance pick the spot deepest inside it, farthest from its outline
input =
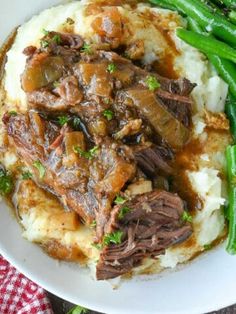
(123, 211)
(108, 114)
(45, 32)
(106, 101)
(186, 217)
(26, 175)
(86, 48)
(119, 200)
(56, 84)
(6, 182)
(78, 310)
(44, 43)
(93, 151)
(81, 152)
(12, 113)
(207, 247)
(57, 39)
(98, 246)
(89, 154)
(93, 224)
(41, 169)
(115, 238)
(76, 122)
(63, 120)
(152, 83)
(111, 67)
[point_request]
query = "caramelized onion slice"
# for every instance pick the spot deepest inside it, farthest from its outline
(95, 76)
(41, 71)
(170, 129)
(73, 139)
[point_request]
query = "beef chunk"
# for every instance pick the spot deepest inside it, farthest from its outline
(179, 106)
(155, 159)
(182, 86)
(152, 224)
(93, 82)
(85, 182)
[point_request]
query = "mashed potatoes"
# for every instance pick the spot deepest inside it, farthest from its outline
(206, 175)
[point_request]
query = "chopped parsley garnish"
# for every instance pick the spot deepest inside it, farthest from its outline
(70, 21)
(89, 154)
(119, 200)
(111, 67)
(12, 113)
(6, 182)
(123, 211)
(76, 122)
(187, 217)
(57, 39)
(45, 32)
(56, 84)
(108, 114)
(44, 43)
(115, 238)
(207, 247)
(93, 151)
(98, 246)
(26, 175)
(86, 48)
(93, 224)
(63, 120)
(152, 83)
(41, 169)
(106, 101)
(78, 310)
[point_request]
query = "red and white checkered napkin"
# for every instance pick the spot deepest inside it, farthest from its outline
(19, 295)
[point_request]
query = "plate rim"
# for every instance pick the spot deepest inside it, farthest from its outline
(219, 303)
(100, 308)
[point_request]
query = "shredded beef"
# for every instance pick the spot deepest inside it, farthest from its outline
(153, 224)
(153, 160)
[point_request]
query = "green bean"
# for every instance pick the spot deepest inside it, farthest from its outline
(225, 68)
(194, 26)
(228, 70)
(199, 11)
(225, 3)
(231, 171)
(229, 3)
(232, 16)
(224, 9)
(228, 13)
(230, 110)
(207, 44)
(231, 243)
(163, 4)
(214, 8)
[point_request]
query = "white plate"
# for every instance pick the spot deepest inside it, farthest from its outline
(207, 284)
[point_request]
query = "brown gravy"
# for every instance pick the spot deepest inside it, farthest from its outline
(65, 253)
